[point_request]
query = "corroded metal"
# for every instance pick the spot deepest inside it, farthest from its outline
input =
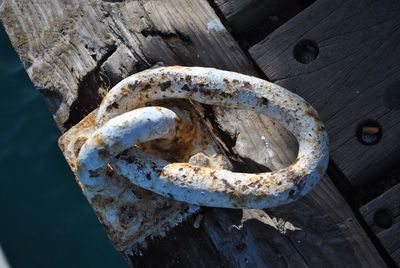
(109, 174)
(120, 127)
(132, 215)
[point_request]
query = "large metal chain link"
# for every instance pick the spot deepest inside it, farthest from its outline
(124, 121)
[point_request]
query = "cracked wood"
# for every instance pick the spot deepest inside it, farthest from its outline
(74, 52)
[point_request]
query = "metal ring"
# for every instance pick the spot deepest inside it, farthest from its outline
(201, 185)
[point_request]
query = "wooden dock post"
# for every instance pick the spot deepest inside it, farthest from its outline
(74, 51)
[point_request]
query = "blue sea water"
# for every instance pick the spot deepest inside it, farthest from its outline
(45, 221)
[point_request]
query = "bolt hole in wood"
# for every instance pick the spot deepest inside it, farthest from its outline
(305, 51)
(383, 218)
(369, 132)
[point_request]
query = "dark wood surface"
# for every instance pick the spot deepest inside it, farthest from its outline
(354, 77)
(248, 16)
(75, 51)
(383, 217)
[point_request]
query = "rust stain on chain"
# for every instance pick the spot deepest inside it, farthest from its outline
(145, 139)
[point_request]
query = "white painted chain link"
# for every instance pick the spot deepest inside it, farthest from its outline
(123, 122)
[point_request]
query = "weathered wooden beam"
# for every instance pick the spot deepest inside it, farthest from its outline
(383, 217)
(75, 51)
(248, 16)
(342, 57)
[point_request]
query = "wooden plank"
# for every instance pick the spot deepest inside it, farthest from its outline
(72, 52)
(383, 217)
(247, 16)
(77, 38)
(355, 76)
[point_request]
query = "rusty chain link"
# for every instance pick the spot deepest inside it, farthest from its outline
(125, 122)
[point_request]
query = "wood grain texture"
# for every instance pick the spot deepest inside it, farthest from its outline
(354, 77)
(63, 46)
(246, 16)
(383, 217)
(74, 51)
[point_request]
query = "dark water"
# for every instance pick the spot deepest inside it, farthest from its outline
(45, 221)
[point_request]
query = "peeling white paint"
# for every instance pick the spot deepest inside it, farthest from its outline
(120, 128)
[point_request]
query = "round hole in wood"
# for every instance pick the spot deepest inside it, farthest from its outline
(369, 132)
(383, 218)
(305, 51)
